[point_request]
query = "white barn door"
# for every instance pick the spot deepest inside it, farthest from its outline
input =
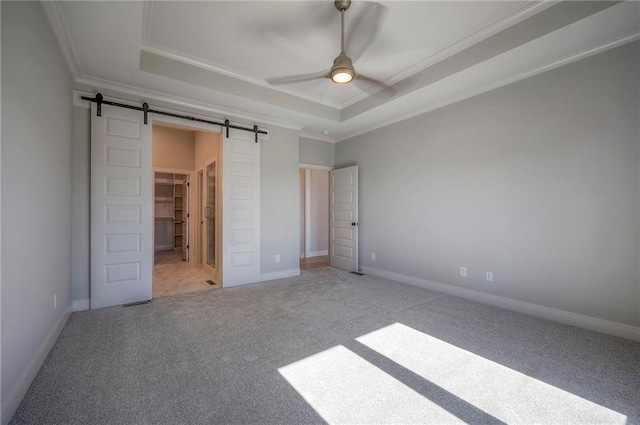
(240, 208)
(343, 218)
(121, 214)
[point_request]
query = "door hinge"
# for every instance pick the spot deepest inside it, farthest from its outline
(187, 246)
(188, 184)
(187, 215)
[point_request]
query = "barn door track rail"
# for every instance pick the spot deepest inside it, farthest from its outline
(99, 100)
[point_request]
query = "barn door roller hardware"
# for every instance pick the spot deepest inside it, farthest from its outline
(99, 101)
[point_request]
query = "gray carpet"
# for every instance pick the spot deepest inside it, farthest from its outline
(329, 346)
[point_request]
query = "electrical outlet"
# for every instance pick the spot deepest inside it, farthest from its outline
(55, 300)
(277, 258)
(463, 271)
(373, 255)
(488, 276)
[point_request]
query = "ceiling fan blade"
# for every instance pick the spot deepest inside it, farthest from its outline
(294, 47)
(297, 78)
(364, 29)
(373, 87)
(311, 16)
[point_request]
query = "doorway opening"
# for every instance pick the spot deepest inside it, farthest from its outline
(183, 239)
(314, 218)
(171, 217)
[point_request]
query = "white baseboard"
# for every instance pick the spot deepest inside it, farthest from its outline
(587, 322)
(18, 392)
(264, 277)
(279, 275)
(317, 253)
(81, 305)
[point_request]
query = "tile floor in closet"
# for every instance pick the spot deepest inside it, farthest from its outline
(173, 276)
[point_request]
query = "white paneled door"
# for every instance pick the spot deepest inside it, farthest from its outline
(343, 218)
(241, 208)
(121, 213)
(186, 197)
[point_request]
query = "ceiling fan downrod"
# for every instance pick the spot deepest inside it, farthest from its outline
(342, 71)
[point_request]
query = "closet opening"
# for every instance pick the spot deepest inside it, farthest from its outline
(185, 208)
(314, 218)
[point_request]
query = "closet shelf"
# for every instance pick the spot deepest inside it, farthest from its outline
(162, 217)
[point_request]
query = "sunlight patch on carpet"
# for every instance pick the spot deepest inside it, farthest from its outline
(344, 388)
(501, 392)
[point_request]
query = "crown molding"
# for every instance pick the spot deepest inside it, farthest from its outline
(556, 63)
(321, 138)
(180, 104)
(305, 166)
(59, 27)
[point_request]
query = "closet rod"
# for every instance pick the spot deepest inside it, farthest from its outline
(99, 99)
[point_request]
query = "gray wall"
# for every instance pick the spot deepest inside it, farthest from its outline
(36, 195)
(317, 152)
(537, 181)
(80, 205)
(280, 203)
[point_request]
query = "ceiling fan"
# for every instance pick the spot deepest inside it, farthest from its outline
(342, 71)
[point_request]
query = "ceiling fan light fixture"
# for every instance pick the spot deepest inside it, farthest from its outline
(342, 76)
(342, 71)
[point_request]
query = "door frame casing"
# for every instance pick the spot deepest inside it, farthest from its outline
(216, 271)
(190, 173)
(194, 255)
(307, 203)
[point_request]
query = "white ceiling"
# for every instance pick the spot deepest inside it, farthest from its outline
(215, 56)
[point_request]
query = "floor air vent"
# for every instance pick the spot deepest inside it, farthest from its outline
(136, 303)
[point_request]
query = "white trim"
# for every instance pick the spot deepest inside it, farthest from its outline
(191, 228)
(178, 102)
(17, 393)
(81, 305)
(216, 271)
(78, 102)
(587, 322)
(306, 166)
(317, 253)
(565, 60)
(264, 277)
(59, 27)
(307, 212)
(170, 170)
(301, 254)
(182, 124)
(321, 138)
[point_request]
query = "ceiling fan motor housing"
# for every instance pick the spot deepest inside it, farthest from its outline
(342, 65)
(342, 4)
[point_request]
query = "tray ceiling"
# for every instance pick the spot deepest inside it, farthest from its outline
(218, 54)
